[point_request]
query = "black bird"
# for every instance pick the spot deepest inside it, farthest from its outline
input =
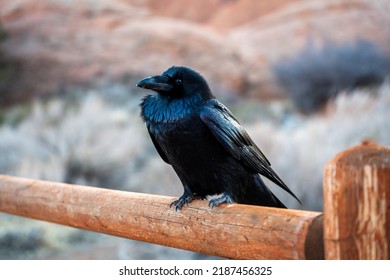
(206, 146)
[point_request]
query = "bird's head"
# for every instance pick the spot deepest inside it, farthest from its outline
(178, 82)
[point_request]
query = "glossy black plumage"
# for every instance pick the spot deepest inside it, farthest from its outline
(206, 146)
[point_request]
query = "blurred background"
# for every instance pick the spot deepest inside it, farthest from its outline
(306, 78)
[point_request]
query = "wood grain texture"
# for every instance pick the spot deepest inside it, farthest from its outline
(357, 203)
(232, 231)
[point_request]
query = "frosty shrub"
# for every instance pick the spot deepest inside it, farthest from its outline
(299, 148)
(88, 142)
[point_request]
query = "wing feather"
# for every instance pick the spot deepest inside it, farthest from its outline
(224, 126)
(158, 148)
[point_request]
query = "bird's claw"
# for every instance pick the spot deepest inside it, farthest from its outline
(225, 198)
(184, 199)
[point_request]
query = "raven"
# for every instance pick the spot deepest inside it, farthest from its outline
(204, 143)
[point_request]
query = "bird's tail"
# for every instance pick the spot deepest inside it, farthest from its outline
(271, 174)
(261, 195)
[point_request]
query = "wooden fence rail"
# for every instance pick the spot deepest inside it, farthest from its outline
(233, 231)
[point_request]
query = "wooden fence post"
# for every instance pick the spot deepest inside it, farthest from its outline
(357, 203)
(234, 231)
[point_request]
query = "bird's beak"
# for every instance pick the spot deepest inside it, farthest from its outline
(157, 83)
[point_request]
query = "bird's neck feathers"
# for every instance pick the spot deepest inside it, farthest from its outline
(161, 109)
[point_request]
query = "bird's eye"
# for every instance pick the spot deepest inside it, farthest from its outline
(178, 82)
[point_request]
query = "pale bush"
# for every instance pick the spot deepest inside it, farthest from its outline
(299, 150)
(89, 142)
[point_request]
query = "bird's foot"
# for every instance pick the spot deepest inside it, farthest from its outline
(225, 198)
(184, 199)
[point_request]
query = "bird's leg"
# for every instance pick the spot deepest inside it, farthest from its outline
(219, 200)
(184, 199)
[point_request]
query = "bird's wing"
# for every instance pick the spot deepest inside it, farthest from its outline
(158, 148)
(224, 126)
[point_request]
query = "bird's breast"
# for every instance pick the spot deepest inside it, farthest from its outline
(188, 143)
(164, 111)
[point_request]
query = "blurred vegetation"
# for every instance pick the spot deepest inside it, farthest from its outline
(315, 75)
(15, 243)
(5, 69)
(3, 34)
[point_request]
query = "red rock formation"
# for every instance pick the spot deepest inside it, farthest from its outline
(53, 44)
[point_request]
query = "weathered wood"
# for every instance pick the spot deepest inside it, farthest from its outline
(231, 231)
(357, 203)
